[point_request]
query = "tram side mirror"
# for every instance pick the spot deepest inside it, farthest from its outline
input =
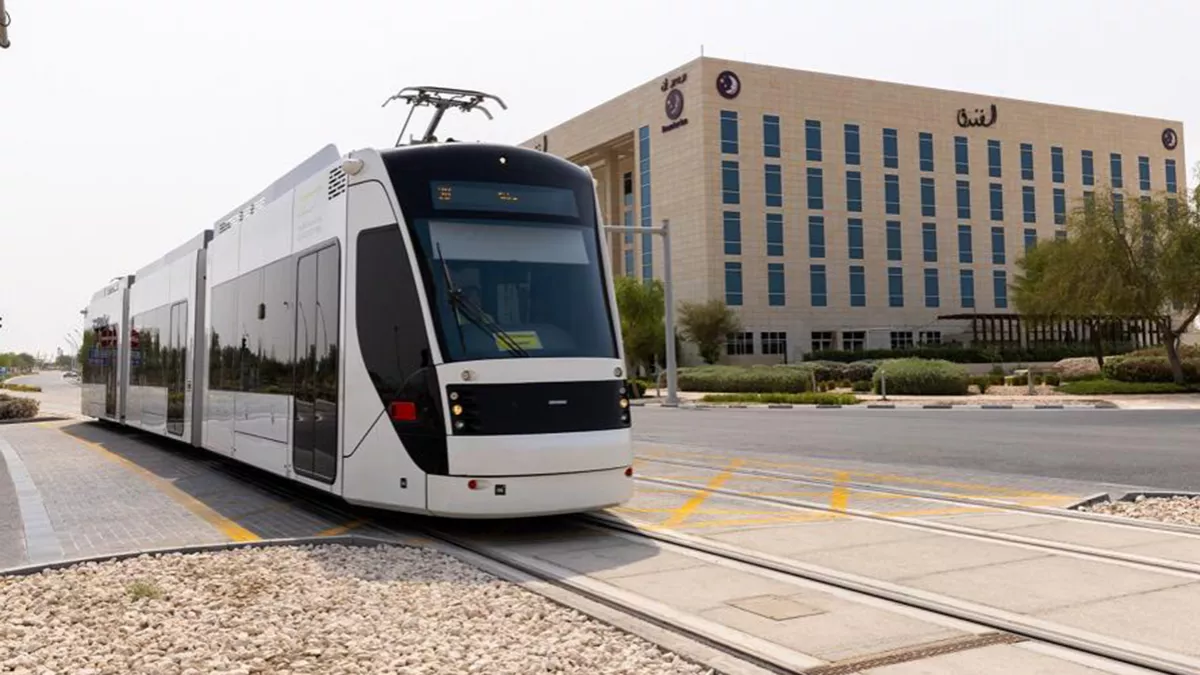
(262, 311)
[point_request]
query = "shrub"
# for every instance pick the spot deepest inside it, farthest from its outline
(860, 370)
(741, 379)
(982, 382)
(1100, 387)
(13, 408)
(861, 386)
(960, 354)
(1185, 351)
(807, 398)
(1078, 368)
(20, 387)
(1148, 369)
(923, 377)
(1051, 379)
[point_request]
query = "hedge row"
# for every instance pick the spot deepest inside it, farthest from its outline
(12, 386)
(778, 379)
(1148, 369)
(969, 354)
(13, 408)
(923, 377)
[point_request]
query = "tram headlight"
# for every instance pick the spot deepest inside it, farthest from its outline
(624, 403)
(456, 409)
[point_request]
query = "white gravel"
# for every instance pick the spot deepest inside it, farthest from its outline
(326, 609)
(1179, 510)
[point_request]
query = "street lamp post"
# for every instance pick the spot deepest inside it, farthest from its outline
(665, 233)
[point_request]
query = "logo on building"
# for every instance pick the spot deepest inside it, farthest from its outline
(674, 103)
(977, 118)
(729, 85)
(1170, 139)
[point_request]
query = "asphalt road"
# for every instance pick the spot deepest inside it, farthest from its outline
(1149, 448)
(58, 395)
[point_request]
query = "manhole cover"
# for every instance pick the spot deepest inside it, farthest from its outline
(774, 607)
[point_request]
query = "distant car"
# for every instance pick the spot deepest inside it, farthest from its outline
(70, 373)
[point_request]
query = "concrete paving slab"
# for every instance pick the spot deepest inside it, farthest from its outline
(1047, 582)
(1097, 535)
(995, 521)
(700, 588)
(792, 540)
(619, 559)
(991, 660)
(1183, 548)
(918, 556)
(1165, 618)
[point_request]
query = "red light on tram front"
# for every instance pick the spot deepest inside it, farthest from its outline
(403, 411)
(629, 471)
(472, 484)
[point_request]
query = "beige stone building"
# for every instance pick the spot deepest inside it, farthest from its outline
(835, 212)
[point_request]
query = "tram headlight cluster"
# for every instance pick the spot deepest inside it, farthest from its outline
(623, 401)
(456, 412)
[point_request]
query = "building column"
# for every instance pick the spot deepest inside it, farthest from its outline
(614, 210)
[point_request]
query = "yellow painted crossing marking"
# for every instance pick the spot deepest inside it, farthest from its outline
(198, 508)
(342, 529)
(681, 514)
(840, 496)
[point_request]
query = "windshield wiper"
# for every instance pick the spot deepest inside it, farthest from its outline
(474, 313)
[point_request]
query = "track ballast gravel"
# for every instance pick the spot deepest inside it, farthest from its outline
(305, 609)
(1180, 510)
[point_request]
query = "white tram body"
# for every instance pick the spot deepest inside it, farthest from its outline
(430, 329)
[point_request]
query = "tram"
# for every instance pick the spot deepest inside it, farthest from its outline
(429, 328)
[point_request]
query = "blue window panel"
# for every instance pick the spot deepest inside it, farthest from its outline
(774, 234)
(854, 191)
(1000, 288)
(629, 270)
(1087, 167)
(962, 192)
(925, 145)
(1172, 186)
(628, 220)
(962, 156)
(773, 181)
(891, 149)
(1118, 207)
(1026, 161)
(812, 140)
(819, 285)
(994, 159)
(928, 198)
(1060, 235)
(816, 237)
(996, 195)
(646, 215)
(891, 194)
(966, 255)
(932, 292)
(854, 238)
(771, 136)
(1029, 204)
(776, 292)
(1114, 165)
(895, 287)
(858, 286)
(1030, 239)
(998, 245)
(929, 247)
(1057, 172)
(733, 283)
(733, 233)
(966, 288)
(1060, 206)
(729, 132)
(895, 250)
(730, 183)
(853, 145)
(816, 188)
(1143, 173)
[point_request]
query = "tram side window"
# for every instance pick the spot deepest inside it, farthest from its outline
(276, 328)
(249, 328)
(224, 343)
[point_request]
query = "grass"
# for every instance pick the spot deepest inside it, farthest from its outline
(806, 398)
(144, 590)
(19, 387)
(1099, 387)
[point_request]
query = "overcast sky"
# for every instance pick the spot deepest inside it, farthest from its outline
(127, 126)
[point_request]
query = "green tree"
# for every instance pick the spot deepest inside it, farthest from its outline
(643, 332)
(1124, 257)
(708, 325)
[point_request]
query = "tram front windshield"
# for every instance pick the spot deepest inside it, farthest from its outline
(521, 285)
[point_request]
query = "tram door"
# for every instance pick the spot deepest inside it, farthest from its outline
(315, 377)
(176, 367)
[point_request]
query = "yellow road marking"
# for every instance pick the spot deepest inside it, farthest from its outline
(781, 519)
(840, 496)
(682, 513)
(342, 529)
(201, 510)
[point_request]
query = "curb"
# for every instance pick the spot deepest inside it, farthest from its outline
(31, 420)
(344, 540)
